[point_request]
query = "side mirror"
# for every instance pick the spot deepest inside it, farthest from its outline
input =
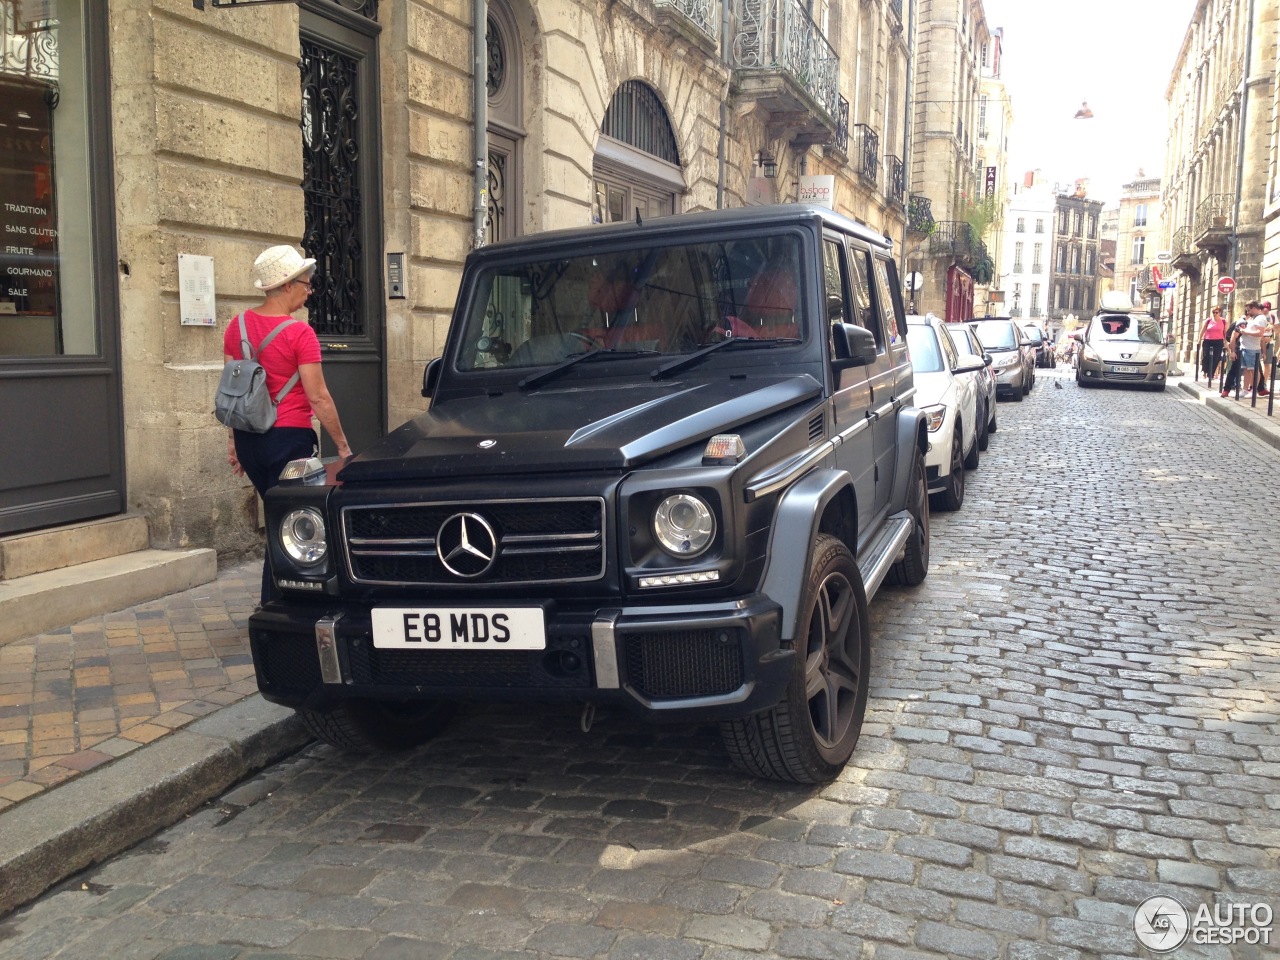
(1025, 343)
(969, 365)
(986, 360)
(1078, 337)
(431, 377)
(854, 346)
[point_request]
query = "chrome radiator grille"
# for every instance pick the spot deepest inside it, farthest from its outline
(482, 542)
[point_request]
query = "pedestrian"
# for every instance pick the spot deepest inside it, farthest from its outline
(1212, 334)
(1256, 329)
(1273, 342)
(284, 277)
(1232, 379)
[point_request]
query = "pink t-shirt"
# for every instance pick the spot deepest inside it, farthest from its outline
(1214, 328)
(293, 346)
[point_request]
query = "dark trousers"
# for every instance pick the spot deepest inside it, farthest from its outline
(263, 456)
(1233, 376)
(1210, 356)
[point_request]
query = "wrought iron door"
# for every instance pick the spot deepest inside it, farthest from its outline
(343, 229)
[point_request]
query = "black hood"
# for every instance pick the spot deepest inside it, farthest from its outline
(597, 426)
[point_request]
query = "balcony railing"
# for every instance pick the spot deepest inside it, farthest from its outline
(957, 238)
(895, 7)
(700, 13)
(1214, 213)
(895, 180)
(1017, 266)
(779, 35)
(920, 215)
(1037, 267)
(1185, 255)
(1035, 311)
(840, 139)
(866, 152)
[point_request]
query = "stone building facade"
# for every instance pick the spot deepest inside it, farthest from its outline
(347, 127)
(954, 38)
(1027, 258)
(1221, 107)
(1139, 238)
(1074, 275)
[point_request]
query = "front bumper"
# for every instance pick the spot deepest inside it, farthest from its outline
(1009, 380)
(937, 459)
(701, 662)
(1134, 373)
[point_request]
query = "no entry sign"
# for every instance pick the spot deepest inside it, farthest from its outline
(1226, 285)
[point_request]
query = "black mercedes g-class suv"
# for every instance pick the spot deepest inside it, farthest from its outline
(664, 467)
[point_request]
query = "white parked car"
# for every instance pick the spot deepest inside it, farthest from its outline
(947, 393)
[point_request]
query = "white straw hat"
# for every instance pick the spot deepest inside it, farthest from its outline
(276, 266)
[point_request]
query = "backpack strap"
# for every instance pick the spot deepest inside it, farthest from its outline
(250, 354)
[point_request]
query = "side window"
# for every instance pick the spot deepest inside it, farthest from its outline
(895, 297)
(864, 314)
(837, 307)
(889, 312)
(949, 352)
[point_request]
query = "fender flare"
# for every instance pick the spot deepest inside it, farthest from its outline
(795, 527)
(913, 436)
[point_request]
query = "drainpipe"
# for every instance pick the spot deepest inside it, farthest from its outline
(1244, 118)
(480, 105)
(724, 104)
(906, 133)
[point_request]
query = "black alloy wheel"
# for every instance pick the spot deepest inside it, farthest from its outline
(810, 734)
(914, 565)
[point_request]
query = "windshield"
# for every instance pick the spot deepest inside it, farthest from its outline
(1034, 335)
(995, 334)
(1128, 327)
(922, 344)
(667, 300)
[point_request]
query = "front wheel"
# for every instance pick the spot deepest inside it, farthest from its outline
(377, 726)
(914, 565)
(971, 458)
(984, 428)
(810, 734)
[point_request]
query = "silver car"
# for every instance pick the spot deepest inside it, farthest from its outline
(1125, 348)
(1012, 358)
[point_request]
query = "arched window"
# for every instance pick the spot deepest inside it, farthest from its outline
(637, 164)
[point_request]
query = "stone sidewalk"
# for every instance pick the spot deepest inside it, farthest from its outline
(1242, 412)
(118, 725)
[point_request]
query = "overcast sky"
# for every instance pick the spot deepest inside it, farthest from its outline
(1116, 54)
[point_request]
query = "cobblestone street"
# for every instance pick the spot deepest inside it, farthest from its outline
(1079, 709)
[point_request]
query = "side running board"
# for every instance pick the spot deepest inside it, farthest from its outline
(882, 553)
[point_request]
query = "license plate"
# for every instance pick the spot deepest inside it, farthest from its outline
(1120, 369)
(459, 628)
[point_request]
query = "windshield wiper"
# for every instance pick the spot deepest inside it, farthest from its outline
(697, 357)
(608, 353)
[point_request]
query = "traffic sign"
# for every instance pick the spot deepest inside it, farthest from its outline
(1167, 284)
(915, 281)
(1164, 256)
(1226, 285)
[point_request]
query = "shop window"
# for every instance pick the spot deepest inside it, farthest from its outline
(46, 279)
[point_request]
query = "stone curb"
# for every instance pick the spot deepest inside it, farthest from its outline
(1259, 425)
(105, 811)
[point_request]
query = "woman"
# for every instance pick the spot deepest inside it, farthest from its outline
(1212, 333)
(284, 277)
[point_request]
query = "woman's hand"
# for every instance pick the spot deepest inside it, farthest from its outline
(236, 469)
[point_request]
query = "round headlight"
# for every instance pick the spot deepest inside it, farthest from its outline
(683, 525)
(302, 536)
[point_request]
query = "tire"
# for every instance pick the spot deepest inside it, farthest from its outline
(377, 726)
(984, 429)
(1018, 394)
(991, 427)
(809, 735)
(972, 457)
(914, 565)
(1081, 381)
(952, 498)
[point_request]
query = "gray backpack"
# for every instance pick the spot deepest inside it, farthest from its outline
(242, 401)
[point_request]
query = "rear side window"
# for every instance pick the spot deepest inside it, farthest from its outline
(889, 314)
(864, 311)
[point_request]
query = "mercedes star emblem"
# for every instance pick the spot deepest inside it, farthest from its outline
(467, 545)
